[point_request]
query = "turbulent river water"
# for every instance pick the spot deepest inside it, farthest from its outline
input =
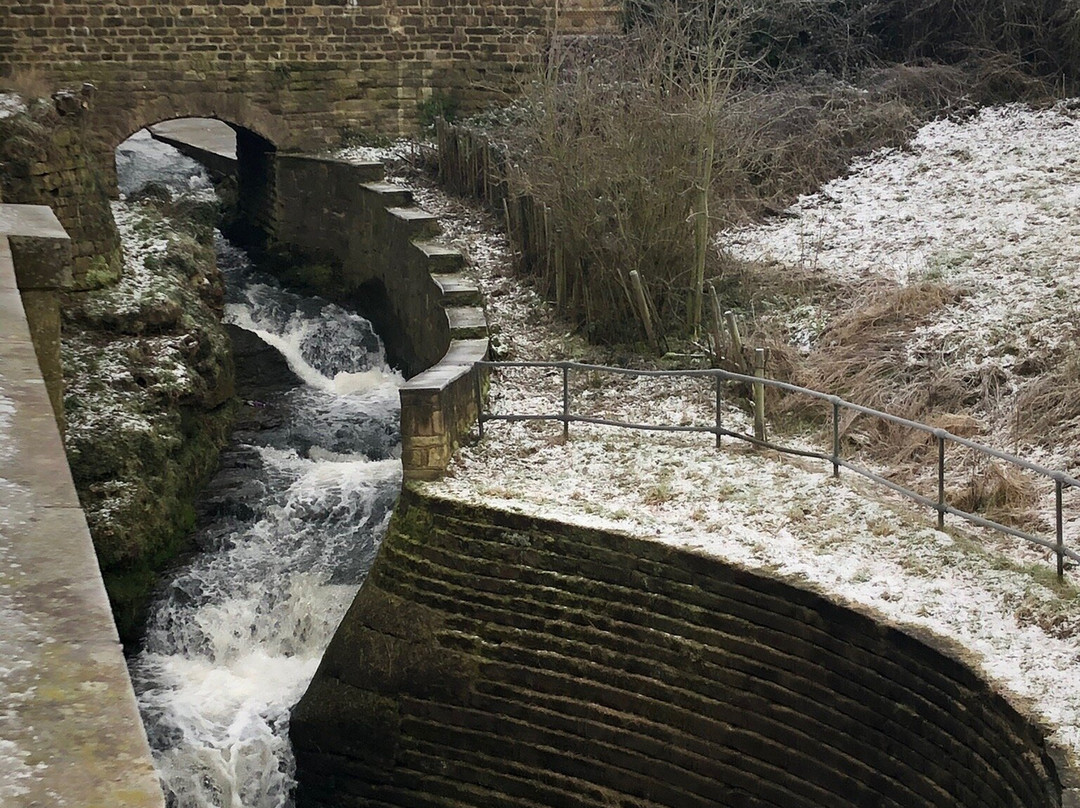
(288, 529)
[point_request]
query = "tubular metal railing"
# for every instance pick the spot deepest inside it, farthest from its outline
(838, 405)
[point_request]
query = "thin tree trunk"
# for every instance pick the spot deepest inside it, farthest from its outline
(701, 231)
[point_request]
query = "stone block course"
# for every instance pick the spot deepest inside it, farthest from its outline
(610, 670)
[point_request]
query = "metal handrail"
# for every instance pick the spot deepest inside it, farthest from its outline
(942, 437)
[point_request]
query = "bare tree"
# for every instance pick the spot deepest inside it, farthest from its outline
(698, 55)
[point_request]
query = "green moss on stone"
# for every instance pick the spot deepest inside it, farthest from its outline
(149, 406)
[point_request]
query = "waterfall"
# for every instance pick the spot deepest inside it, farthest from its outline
(288, 529)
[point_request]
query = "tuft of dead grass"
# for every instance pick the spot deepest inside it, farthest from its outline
(1000, 492)
(29, 82)
(1048, 409)
(860, 356)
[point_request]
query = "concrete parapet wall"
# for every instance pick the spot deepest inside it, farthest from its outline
(497, 659)
(70, 726)
(370, 247)
(38, 252)
(439, 407)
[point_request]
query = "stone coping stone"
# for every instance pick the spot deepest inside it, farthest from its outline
(34, 221)
(34, 233)
(441, 259)
(71, 725)
(412, 214)
(459, 359)
(469, 319)
(458, 288)
(390, 188)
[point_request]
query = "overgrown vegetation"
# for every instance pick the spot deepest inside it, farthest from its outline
(708, 114)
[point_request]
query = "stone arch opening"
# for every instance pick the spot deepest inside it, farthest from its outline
(234, 155)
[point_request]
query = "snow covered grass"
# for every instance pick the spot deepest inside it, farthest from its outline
(11, 104)
(987, 207)
(951, 207)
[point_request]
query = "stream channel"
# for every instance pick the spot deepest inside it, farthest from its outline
(287, 529)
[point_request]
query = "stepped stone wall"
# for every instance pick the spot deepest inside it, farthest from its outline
(297, 73)
(366, 245)
(497, 659)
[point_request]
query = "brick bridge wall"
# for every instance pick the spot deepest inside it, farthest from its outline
(299, 73)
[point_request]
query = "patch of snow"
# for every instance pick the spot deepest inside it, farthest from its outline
(11, 104)
(987, 205)
(398, 150)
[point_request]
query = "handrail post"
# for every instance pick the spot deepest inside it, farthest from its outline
(759, 394)
(1060, 549)
(941, 481)
(836, 437)
(479, 403)
(719, 406)
(566, 401)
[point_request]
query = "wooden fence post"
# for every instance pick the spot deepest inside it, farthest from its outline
(759, 394)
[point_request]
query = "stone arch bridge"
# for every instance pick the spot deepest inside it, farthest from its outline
(299, 73)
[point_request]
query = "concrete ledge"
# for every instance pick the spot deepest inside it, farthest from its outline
(393, 195)
(467, 322)
(70, 731)
(38, 251)
(440, 258)
(210, 142)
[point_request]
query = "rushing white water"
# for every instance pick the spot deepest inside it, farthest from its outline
(289, 529)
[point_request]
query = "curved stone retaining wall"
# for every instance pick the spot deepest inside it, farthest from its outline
(368, 245)
(495, 659)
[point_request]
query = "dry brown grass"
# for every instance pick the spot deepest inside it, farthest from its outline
(28, 82)
(1048, 409)
(1000, 492)
(861, 358)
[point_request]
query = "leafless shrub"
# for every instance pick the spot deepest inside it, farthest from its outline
(695, 121)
